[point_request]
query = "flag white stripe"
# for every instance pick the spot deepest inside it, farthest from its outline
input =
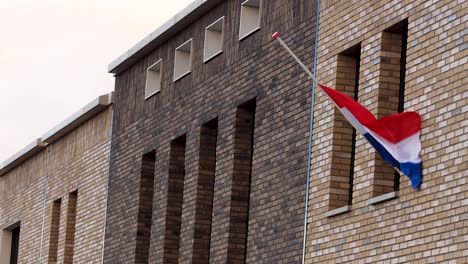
(406, 150)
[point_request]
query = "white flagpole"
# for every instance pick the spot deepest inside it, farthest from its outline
(277, 37)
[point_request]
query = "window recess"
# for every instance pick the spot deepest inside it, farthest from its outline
(153, 79)
(249, 18)
(213, 39)
(183, 60)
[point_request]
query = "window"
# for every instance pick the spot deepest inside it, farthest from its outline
(9, 246)
(153, 79)
(145, 207)
(344, 135)
(249, 18)
(214, 39)
(205, 190)
(15, 237)
(241, 180)
(54, 230)
(70, 227)
(392, 68)
(174, 200)
(183, 60)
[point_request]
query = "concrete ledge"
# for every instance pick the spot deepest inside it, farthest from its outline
(382, 198)
(30, 150)
(78, 118)
(178, 22)
(338, 211)
(72, 122)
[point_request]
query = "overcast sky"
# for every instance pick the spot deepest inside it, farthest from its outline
(54, 56)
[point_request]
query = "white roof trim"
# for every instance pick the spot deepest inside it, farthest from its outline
(165, 31)
(72, 122)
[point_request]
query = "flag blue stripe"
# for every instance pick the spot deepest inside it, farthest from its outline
(382, 151)
(412, 170)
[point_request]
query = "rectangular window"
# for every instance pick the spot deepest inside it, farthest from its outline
(344, 135)
(54, 230)
(213, 39)
(183, 60)
(153, 79)
(15, 238)
(391, 96)
(70, 227)
(174, 200)
(241, 180)
(9, 246)
(205, 191)
(145, 207)
(249, 18)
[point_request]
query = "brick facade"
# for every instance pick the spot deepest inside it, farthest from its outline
(212, 168)
(252, 197)
(424, 226)
(59, 196)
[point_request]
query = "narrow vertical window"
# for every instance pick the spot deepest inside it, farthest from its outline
(241, 180)
(403, 29)
(213, 40)
(15, 238)
(183, 60)
(344, 135)
(9, 244)
(153, 79)
(174, 200)
(391, 96)
(205, 191)
(70, 227)
(145, 207)
(249, 18)
(54, 230)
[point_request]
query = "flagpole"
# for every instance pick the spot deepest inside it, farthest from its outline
(277, 37)
(311, 125)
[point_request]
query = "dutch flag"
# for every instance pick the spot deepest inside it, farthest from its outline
(395, 137)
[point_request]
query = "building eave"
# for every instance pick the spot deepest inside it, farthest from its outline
(78, 118)
(178, 22)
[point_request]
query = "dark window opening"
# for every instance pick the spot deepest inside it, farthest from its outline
(15, 238)
(174, 200)
(145, 207)
(54, 230)
(401, 31)
(344, 135)
(205, 191)
(70, 227)
(241, 180)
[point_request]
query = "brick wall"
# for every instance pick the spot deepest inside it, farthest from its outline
(427, 225)
(77, 161)
(254, 68)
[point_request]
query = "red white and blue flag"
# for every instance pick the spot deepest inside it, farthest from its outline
(395, 137)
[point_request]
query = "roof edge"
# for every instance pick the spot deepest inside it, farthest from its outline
(78, 118)
(190, 13)
(19, 157)
(84, 114)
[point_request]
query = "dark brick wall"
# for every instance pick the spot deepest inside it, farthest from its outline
(255, 68)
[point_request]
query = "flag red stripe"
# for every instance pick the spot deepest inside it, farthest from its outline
(393, 128)
(342, 100)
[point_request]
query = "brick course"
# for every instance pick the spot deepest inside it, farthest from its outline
(77, 161)
(255, 67)
(424, 226)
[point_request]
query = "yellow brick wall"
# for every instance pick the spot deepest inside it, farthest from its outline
(428, 225)
(77, 161)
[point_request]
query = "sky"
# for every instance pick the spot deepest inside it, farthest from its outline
(54, 56)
